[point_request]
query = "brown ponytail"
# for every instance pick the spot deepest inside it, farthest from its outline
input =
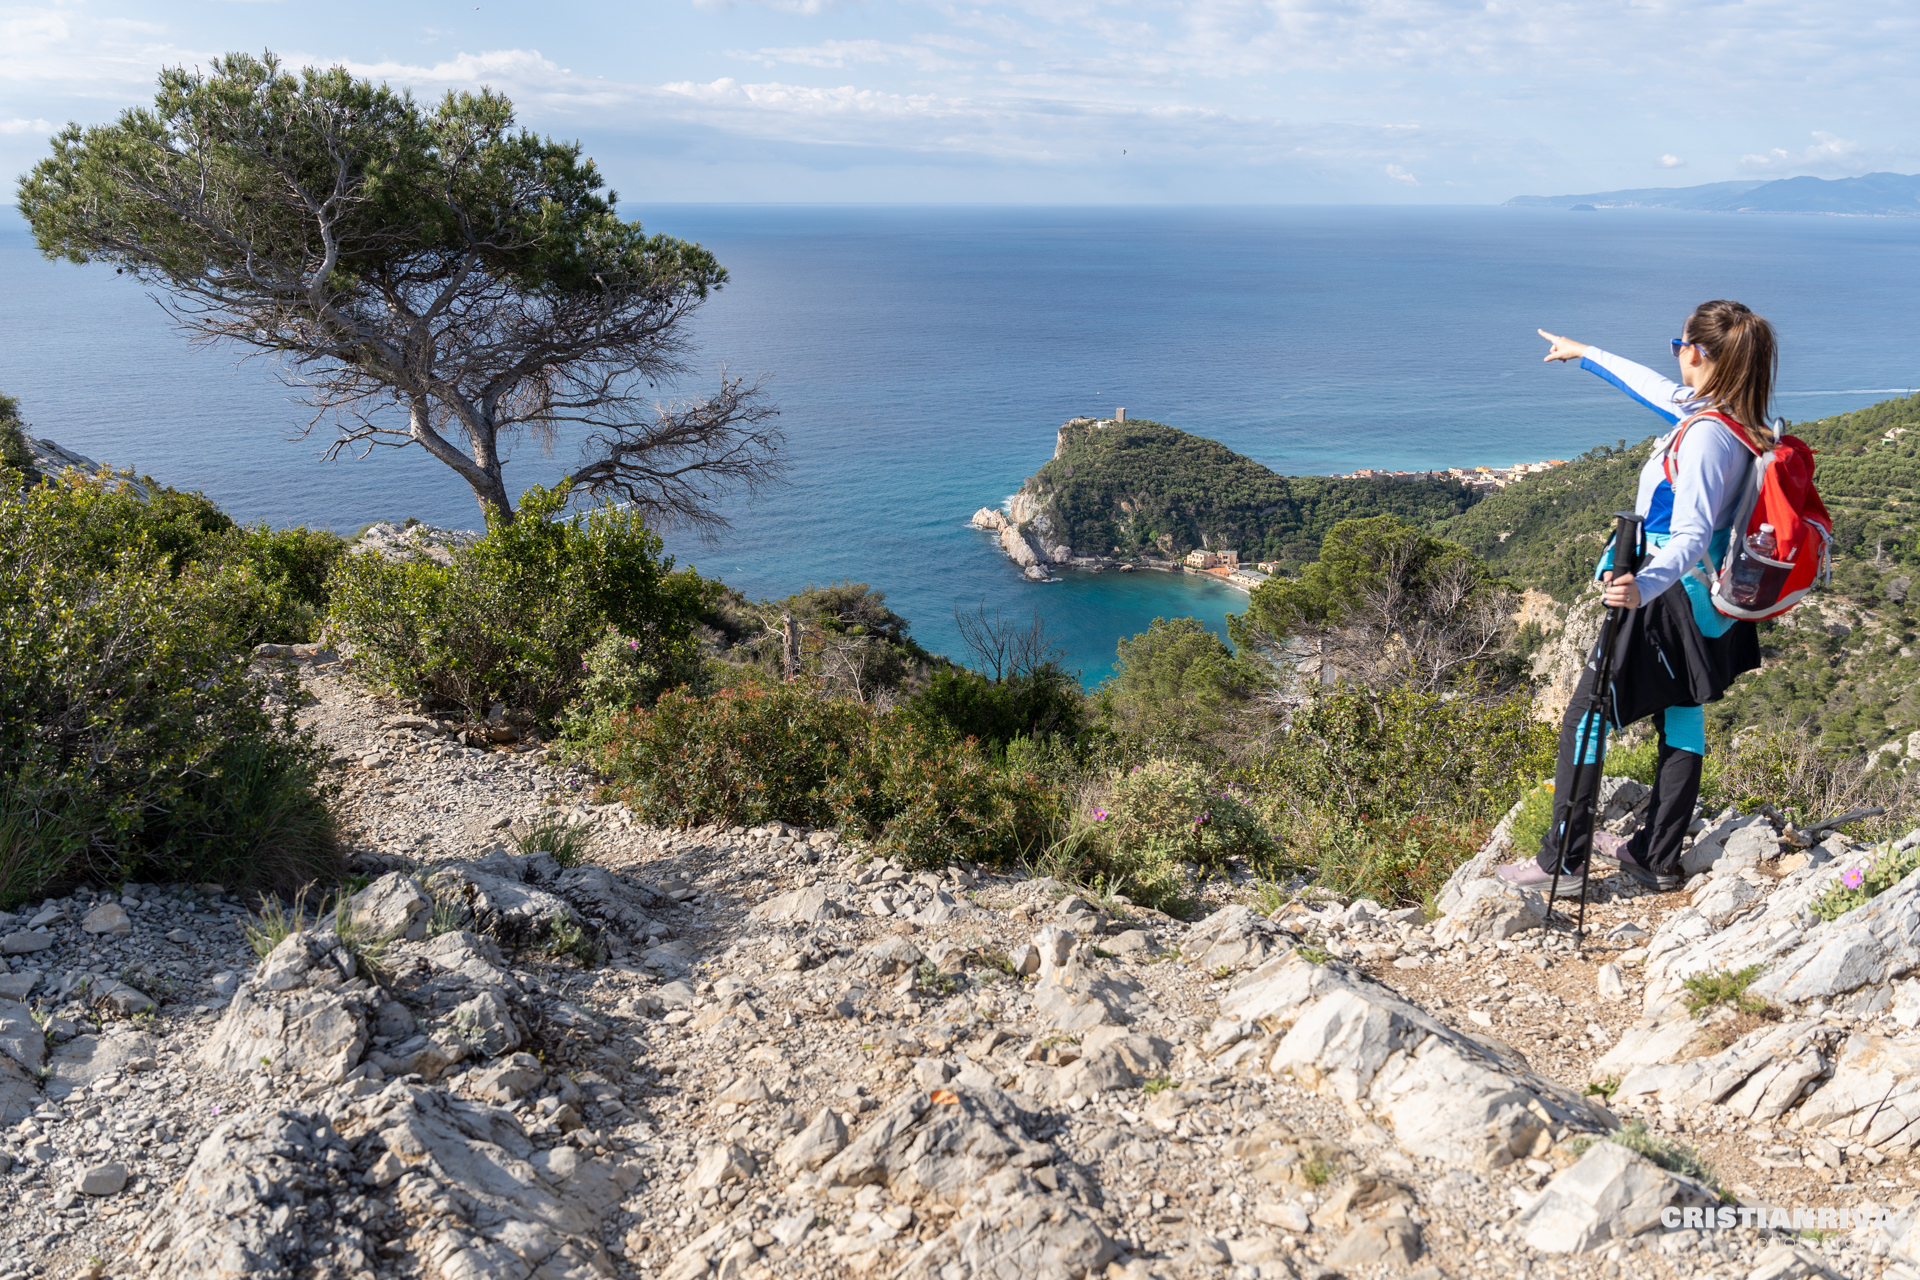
(1745, 360)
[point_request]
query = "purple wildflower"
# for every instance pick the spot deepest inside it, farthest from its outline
(1853, 877)
(1099, 815)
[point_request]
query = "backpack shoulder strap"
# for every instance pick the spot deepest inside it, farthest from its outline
(1713, 415)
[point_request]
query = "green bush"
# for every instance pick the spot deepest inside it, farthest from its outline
(1531, 824)
(755, 752)
(1046, 702)
(1381, 793)
(133, 740)
(1176, 687)
(13, 440)
(516, 615)
(749, 753)
(1174, 807)
(1400, 752)
(1864, 881)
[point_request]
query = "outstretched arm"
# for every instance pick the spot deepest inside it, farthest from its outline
(1662, 395)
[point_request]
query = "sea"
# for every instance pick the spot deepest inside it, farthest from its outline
(923, 358)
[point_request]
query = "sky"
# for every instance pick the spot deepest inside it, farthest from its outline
(1072, 101)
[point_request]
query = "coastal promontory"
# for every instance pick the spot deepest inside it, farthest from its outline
(1119, 490)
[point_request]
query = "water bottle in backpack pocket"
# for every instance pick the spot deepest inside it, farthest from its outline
(1757, 574)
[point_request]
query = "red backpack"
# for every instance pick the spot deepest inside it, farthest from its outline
(1779, 493)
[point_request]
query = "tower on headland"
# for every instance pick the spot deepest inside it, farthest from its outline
(1119, 415)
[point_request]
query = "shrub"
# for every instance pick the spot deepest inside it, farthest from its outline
(966, 704)
(927, 799)
(1531, 824)
(1787, 768)
(755, 752)
(133, 739)
(1860, 884)
(1176, 687)
(749, 753)
(13, 440)
(1400, 751)
(516, 614)
(1173, 806)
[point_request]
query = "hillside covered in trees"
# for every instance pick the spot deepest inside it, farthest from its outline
(1143, 487)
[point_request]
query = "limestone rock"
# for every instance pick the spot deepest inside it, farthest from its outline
(1394, 1239)
(1113, 1058)
(107, 918)
(1017, 548)
(811, 905)
(1448, 1096)
(121, 999)
(508, 1080)
(1610, 982)
(487, 1025)
(1847, 963)
(938, 1145)
(988, 518)
(814, 1145)
(1236, 937)
(1076, 998)
(85, 1059)
(102, 1180)
(1725, 897)
(721, 1165)
(1032, 1236)
(393, 907)
(1706, 850)
(890, 955)
(1610, 1193)
(1490, 910)
(1873, 1097)
(18, 1095)
(284, 1023)
(20, 1036)
(23, 942)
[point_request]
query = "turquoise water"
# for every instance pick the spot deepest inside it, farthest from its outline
(924, 357)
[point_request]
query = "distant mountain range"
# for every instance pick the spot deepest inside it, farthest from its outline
(1873, 194)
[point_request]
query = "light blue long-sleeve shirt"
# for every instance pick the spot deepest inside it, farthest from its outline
(1709, 474)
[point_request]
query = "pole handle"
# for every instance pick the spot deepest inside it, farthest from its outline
(1629, 542)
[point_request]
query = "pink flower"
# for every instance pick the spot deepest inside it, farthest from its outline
(1853, 877)
(1099, 815)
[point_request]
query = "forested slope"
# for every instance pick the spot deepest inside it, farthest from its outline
(1145, 487)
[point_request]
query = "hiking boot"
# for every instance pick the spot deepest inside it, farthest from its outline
(1648, 878)
(1528, 875)
(1608, 847)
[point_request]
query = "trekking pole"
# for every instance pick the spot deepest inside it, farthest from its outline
(1599, 715)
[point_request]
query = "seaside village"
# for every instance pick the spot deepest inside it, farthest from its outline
(1484, 479)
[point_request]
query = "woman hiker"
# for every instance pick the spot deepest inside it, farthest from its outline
(1674, 651)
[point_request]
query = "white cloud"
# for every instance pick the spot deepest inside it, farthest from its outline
(1672, 162)
(1827, 154)
(1398, 174)
(17, 125)
(844, 53)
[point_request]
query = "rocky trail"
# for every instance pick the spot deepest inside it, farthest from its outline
(740, 1053)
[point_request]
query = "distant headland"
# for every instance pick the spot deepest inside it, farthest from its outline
(1870, 195)
(1126, 494)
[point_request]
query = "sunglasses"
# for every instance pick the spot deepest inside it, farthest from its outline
(1682, 342)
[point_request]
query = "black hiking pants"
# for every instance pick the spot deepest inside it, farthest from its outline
(1676, 788)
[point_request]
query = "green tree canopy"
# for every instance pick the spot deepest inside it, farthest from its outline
(1386, 603)
(1176, 685)
(429, 277)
